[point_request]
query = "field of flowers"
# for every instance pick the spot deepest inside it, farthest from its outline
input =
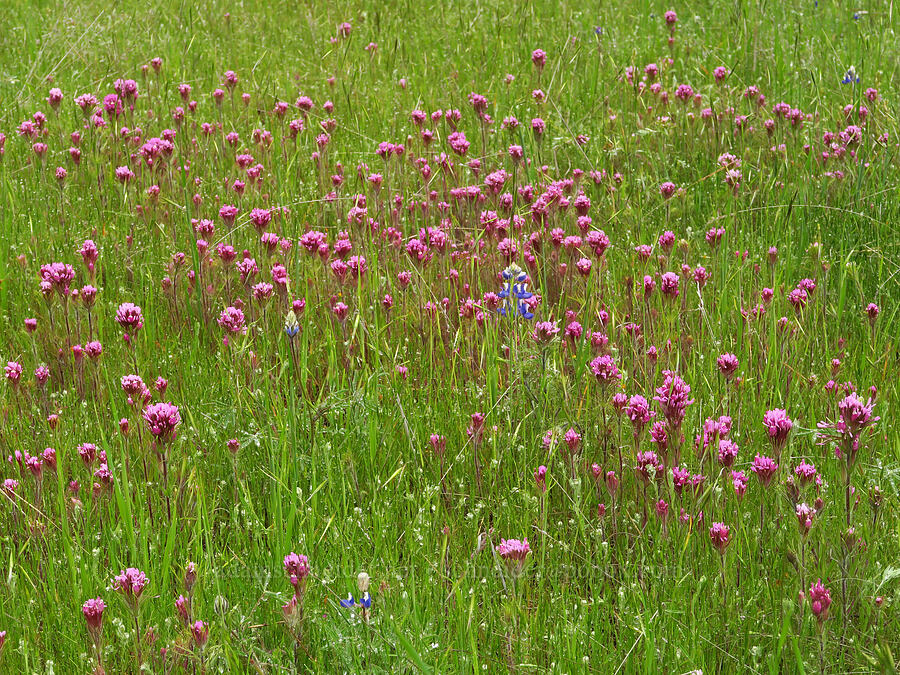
(456, 337)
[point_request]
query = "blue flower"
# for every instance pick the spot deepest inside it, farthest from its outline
(291, 325)
(365, 600)
(348, 601)
(851, 77)
(515, 292)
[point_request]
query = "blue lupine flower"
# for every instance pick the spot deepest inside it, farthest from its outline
(515, 292)
(366, 600)
(348, 601)
(291, 325)
(851, 77)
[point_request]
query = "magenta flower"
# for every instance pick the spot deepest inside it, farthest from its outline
(872, 311)
(739, 481)
(162, 420)
(13, 372)
(573, 441)
(667, 190)
(130, 582)
(668, 285)
(805, 472)
(605, 370)
(854, 418)
(514, 554)
(59, 276)
(719, 535)
(638, 411)
(728, 452)
(340, 311)
(93, 614)
(819, 601)
(764, 468)
(662, 510)
(805, 514)
(648, 465)
(232, 320)
(727, 364)
(297, 569)
(130, 317)
(200, 633)
(778, 427)
(673, 398)
(544, 331)
(540, 477)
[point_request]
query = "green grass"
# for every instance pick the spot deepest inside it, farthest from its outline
(335, 460)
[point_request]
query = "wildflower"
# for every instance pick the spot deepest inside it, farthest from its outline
(727, 364)
(668, 285)
(854, 418)
(130, 317)
(13, 372)
(819, 601)
(232, 320)
(672, 397)
(514, 554)
(805, 515)
(604, 369)
(131, 583)
(778, 427)
(544, 331)
(200, 633)
(850, 77)
(93, 614)
(638, 411)
(662, 510)
(739, 481)
(872, 311)
(297, 569)
(667, 190)
(719, 534)
(764, 468)
(291, 325)
(728, 451)
(648, 465)
(162, 420)
(805, 472)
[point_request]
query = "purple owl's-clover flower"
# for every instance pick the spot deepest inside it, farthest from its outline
(764, 468)
(638, 411)
(819, 601)
(727, 364)
(130, 317)
(778, 428)
(540, 478)
(232, 320)
(200, 633)
(544, 332)
(162, 420)
(297, 569)
(673, 398)
(719, 536)
(605, 370)
(93, 615)
(514, 554)
(131, 583)
(855, 417)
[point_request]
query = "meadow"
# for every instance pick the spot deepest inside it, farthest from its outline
(518, 337)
